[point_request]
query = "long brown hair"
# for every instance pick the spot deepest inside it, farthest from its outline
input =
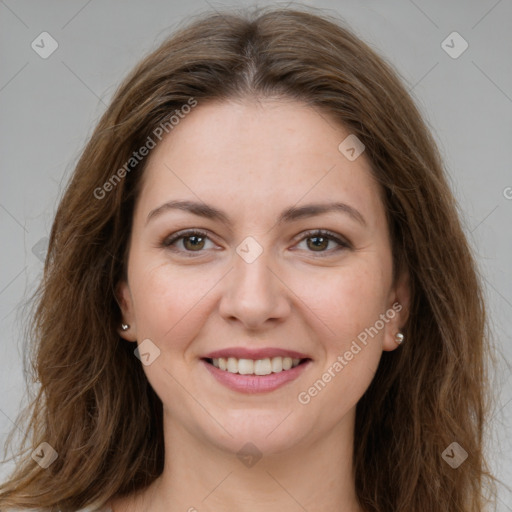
(95, 406)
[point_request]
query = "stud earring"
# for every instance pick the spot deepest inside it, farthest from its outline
(399, 337)
(125, 327)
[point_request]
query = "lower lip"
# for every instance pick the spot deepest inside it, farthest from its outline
(255, 383)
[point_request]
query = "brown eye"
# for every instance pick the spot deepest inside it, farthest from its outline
(191, 242)
(318, 241)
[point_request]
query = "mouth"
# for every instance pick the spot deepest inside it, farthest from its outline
(255, 370)
(244, 375)
(256, 367)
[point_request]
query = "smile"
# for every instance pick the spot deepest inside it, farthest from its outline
(255, 367)
(255, 375)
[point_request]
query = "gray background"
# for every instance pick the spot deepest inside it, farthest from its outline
(50, 106)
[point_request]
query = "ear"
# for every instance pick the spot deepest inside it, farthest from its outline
(125, 301)
(398, 311)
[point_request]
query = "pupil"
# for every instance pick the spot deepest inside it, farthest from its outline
(194, 244)
(319, 238)
(199, 241)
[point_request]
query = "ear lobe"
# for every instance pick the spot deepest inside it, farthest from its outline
(398, 313)
(124, 300)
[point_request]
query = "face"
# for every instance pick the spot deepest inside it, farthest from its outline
(247, 266)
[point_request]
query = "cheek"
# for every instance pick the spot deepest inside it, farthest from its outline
(347, 300)
(168, 302)
(351, 305)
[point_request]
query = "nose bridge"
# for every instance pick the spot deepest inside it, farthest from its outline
(253, 293)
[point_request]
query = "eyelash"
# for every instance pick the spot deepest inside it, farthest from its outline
(169, 241)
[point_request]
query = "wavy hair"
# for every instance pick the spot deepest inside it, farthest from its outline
(94, 405)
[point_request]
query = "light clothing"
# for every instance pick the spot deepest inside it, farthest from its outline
(89, 509)
(95, 509)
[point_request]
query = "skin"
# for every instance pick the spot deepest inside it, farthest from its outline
(252, 159)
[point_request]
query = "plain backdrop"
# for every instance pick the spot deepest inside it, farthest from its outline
(49, 107)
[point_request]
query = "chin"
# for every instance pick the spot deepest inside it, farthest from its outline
(264, 432)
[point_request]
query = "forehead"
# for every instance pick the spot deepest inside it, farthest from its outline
(253, 153)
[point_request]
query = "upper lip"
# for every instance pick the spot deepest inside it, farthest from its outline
(255, 353)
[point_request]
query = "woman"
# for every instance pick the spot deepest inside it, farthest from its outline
(258, 294)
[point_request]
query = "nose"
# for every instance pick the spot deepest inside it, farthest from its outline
(254, 294)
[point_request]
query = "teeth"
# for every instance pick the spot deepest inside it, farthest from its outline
(245, 366)
(262, 367)
(277, 364)
(257, 367)
(232, 365)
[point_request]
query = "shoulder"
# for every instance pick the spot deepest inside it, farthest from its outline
(105, 508)
(101, 509)
(87, 509)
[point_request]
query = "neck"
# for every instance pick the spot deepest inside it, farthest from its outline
(314, 475)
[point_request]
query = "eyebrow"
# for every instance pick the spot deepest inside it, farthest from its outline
(289, 215)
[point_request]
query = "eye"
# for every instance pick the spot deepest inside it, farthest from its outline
(192, 241)
(320, 240)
